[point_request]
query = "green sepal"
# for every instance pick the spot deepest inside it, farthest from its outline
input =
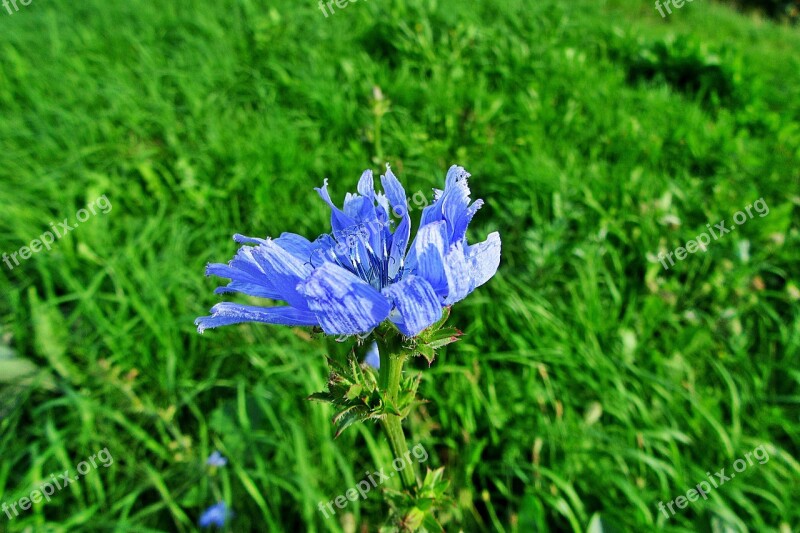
(354, 393)
(434, 337)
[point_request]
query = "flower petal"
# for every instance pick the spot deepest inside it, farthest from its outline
(216, 515)
(280, 271)
(343, 303)
(426, 258)
(455, 200)
(295, 244)
(366, 185)
(417, 303)
(451, 271)
(399, 208)
(484, 259)
(227, 313)
(249, 275)
(339, 220)
(242, 279)
(458, 274)
(399, 246)
(452, 205)
(394, 192)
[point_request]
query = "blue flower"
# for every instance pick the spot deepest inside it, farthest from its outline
(373, 357)
(362, 273)
(216, 459)
(216, 515)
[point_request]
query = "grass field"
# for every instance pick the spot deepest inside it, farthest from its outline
(591, 384)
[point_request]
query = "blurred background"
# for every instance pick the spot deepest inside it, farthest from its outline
(591, 384)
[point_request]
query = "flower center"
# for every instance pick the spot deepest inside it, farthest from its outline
(354, 249)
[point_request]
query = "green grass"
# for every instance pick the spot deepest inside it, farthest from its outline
(590, 380)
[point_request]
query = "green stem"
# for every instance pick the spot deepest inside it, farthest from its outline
(391, 373)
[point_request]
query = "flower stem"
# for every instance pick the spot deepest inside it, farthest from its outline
(393, 357)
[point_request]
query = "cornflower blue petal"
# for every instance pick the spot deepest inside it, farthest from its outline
(373, 357)
(458, 274)
(327, 250)
(484, 258)
(216, 459)
(375, 221)
(455, 199)
(373, 226)
(216, 515)
(432, 213)
(242, 279)
(455, 203)
(244, 239)
(399, 246)
(452, 205)
(426, 258)
(359, 208)
(417, 303)
(339, 220)
(394, 192)
(366, 185)
(296, 245)
(383, 206)
(248, 274)
(280, 270)
(227, 313)
(451, 273)
(343, 303)
(462, 222)
(399, 204)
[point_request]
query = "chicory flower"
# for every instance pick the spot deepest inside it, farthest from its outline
(216, 515)
(216, 459)
(349, 281)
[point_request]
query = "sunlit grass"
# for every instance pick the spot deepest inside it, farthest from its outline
(590, 380)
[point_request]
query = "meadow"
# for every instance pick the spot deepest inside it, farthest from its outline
(591, 385)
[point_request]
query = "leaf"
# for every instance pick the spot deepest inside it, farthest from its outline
(349, 417)
(427, 352)
(354, 391)
(443, 337)
(431, 524)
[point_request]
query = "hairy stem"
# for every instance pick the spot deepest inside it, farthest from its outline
(393, 358)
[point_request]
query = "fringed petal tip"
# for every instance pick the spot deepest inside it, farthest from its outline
(228, 313)
(244, 239)
(455, 174)
(199, 323)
